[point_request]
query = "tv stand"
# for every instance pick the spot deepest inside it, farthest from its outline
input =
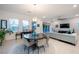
(61, 31)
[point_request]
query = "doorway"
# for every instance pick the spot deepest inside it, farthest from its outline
(46, 27)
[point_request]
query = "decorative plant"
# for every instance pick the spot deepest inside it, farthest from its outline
(2, 36)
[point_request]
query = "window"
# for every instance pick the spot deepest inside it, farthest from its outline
(13, 25)
(25, 25)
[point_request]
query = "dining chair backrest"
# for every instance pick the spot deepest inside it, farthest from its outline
(45, 36)
(47, 39)
(41, 42)
(26, 42)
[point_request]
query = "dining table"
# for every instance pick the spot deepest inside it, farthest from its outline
(22, 33)
(33, 38)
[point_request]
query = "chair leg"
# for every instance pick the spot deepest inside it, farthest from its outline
(47, 43)
(16, 38)
(24, 47)
(28, 50)
(38, 50)
(44, 49)
(33, 51)
(41, 47)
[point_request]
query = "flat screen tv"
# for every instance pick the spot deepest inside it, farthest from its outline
(66, 25)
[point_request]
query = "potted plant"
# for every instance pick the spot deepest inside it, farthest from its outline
(2, 36)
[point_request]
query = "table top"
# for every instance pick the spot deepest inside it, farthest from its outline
(33, 37)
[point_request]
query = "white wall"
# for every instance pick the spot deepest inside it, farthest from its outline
(6, 15)
(40, 28)
(53, 24)
(74, 23)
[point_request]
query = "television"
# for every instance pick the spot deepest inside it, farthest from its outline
(66, 25)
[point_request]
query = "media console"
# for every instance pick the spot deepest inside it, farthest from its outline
(66, 32)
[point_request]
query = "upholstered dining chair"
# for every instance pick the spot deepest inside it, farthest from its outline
(47, 39)
(28, 45)
(41, 43)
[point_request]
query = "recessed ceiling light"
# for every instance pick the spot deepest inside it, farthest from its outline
(77, 15)
(74, 6)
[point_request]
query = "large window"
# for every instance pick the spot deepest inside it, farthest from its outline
(25, 25)
(13, 25)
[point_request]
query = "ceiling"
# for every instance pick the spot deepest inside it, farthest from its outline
(42, 10)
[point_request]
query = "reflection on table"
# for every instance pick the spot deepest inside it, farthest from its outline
(35, 41)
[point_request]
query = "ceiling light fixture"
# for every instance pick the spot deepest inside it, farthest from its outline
(74, 6)
(34, 4)
(34, 19)
(77, 15)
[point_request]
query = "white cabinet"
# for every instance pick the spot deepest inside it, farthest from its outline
(72, 38)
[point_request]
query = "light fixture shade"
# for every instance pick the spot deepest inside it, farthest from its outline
(34, 19)
(77, 15)
(34, 4)
(74, 6)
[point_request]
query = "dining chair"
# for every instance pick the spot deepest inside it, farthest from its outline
(47, 39)
(41, 43)
(28, 45)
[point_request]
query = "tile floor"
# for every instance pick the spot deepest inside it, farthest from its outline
(55, 47)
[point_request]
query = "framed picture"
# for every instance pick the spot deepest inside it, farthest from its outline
(3, 24)
(0, 24)
(56, 26)
(38, 25)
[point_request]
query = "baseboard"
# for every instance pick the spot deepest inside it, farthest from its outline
(63, 41)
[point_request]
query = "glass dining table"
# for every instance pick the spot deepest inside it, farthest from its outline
(33, 38)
